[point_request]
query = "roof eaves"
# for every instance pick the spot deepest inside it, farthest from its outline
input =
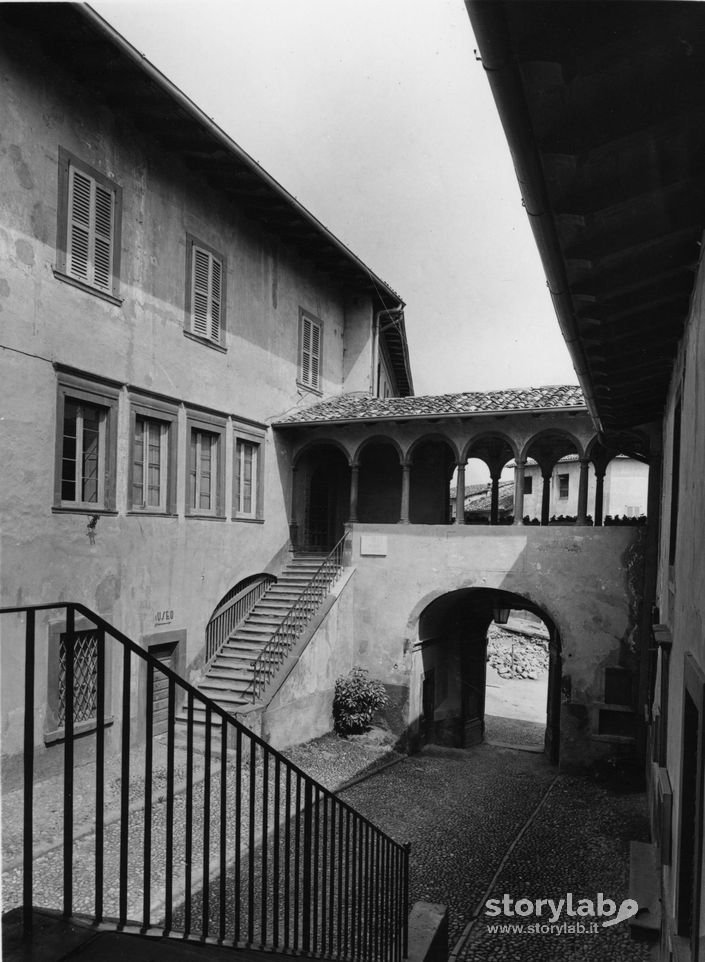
(431, 415)
(142, 63)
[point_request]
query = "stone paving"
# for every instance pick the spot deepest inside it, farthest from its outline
(482, 823)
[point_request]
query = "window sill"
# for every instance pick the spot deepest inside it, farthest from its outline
(236, 517)
(79, 509)
(88, 288)
(309, 389)
(136, 513)
(205, 517)
(59, 734)
(205, 342)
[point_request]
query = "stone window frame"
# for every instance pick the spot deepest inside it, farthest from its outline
(215, 424)
(61, 270)
(53, 732)
(194, 244)
(256, 435)
(167, 412)
(305, 381)
(80, 387)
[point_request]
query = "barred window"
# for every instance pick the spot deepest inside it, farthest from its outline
(85, 677)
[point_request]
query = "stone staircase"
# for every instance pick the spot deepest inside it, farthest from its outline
(228, 680)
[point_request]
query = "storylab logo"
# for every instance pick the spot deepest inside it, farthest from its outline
(563, 916)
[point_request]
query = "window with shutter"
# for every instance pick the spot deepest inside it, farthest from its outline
(85, 449)
(310, 341)
(152, 466)
(206, 285)
(246, 457)
(205, 465)
(149, 466)
(89, 227)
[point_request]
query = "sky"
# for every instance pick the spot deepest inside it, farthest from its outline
(377, 116)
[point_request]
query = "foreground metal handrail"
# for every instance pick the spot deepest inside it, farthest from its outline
(265, 857)
(295, 620)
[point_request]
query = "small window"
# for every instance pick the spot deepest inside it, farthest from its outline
(528, 485)
(246, 454)
(152, 479)
(86, 422)
(248, 471)
(204, 471)
(205, 468)
(310, 351)
(563, 485)
(205, 286)
(89, 216)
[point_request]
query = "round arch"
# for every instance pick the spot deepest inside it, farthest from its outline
(486, 438)
(448, 684)
(308, 446)
(379, 464)
(432, 438)
(320, 503)
(550, 441)
(377, 439)
(432, 459)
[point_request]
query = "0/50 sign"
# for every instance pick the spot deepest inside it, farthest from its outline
(164, 617)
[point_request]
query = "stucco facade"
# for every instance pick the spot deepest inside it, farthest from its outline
(130, 354)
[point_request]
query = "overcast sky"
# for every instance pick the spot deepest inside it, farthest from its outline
(377, 117)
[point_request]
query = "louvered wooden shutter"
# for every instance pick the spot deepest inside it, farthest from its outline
(207, 282)
(310, 352)
(306, 351)
(79, 224)
(90, 231)
(103, 238)
(315, 354)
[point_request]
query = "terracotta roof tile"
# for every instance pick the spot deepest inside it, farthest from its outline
(349, 407)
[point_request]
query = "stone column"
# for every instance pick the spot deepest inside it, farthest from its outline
(494, 501)
(583, 491)
(599, 496)
(520, 464)
(546, 498)
(460, 495)
(405, 486)
(354, 478)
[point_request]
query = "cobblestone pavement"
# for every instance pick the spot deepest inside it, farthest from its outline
(462, 811)
(515, 731)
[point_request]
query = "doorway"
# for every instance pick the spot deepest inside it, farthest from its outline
(488, 669)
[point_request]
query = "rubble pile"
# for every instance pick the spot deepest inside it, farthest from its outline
(514, 655)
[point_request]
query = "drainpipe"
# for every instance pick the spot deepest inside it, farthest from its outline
(377, 329)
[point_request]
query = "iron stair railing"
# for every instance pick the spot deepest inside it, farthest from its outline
(266, 856)
(232, 613)
(295, 620)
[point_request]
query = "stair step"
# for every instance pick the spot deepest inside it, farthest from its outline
(226, 685)
(227, 673)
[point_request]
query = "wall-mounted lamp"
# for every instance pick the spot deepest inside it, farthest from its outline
(500, 616)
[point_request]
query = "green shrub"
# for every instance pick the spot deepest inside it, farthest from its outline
(355, 701)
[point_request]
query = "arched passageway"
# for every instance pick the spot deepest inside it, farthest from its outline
(432, 466)
(379, 485)
(449, 670)
(321, 497)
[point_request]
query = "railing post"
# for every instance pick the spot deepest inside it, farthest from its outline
(28, 841)
(405, 904)
(69, 649)
(307, 852)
